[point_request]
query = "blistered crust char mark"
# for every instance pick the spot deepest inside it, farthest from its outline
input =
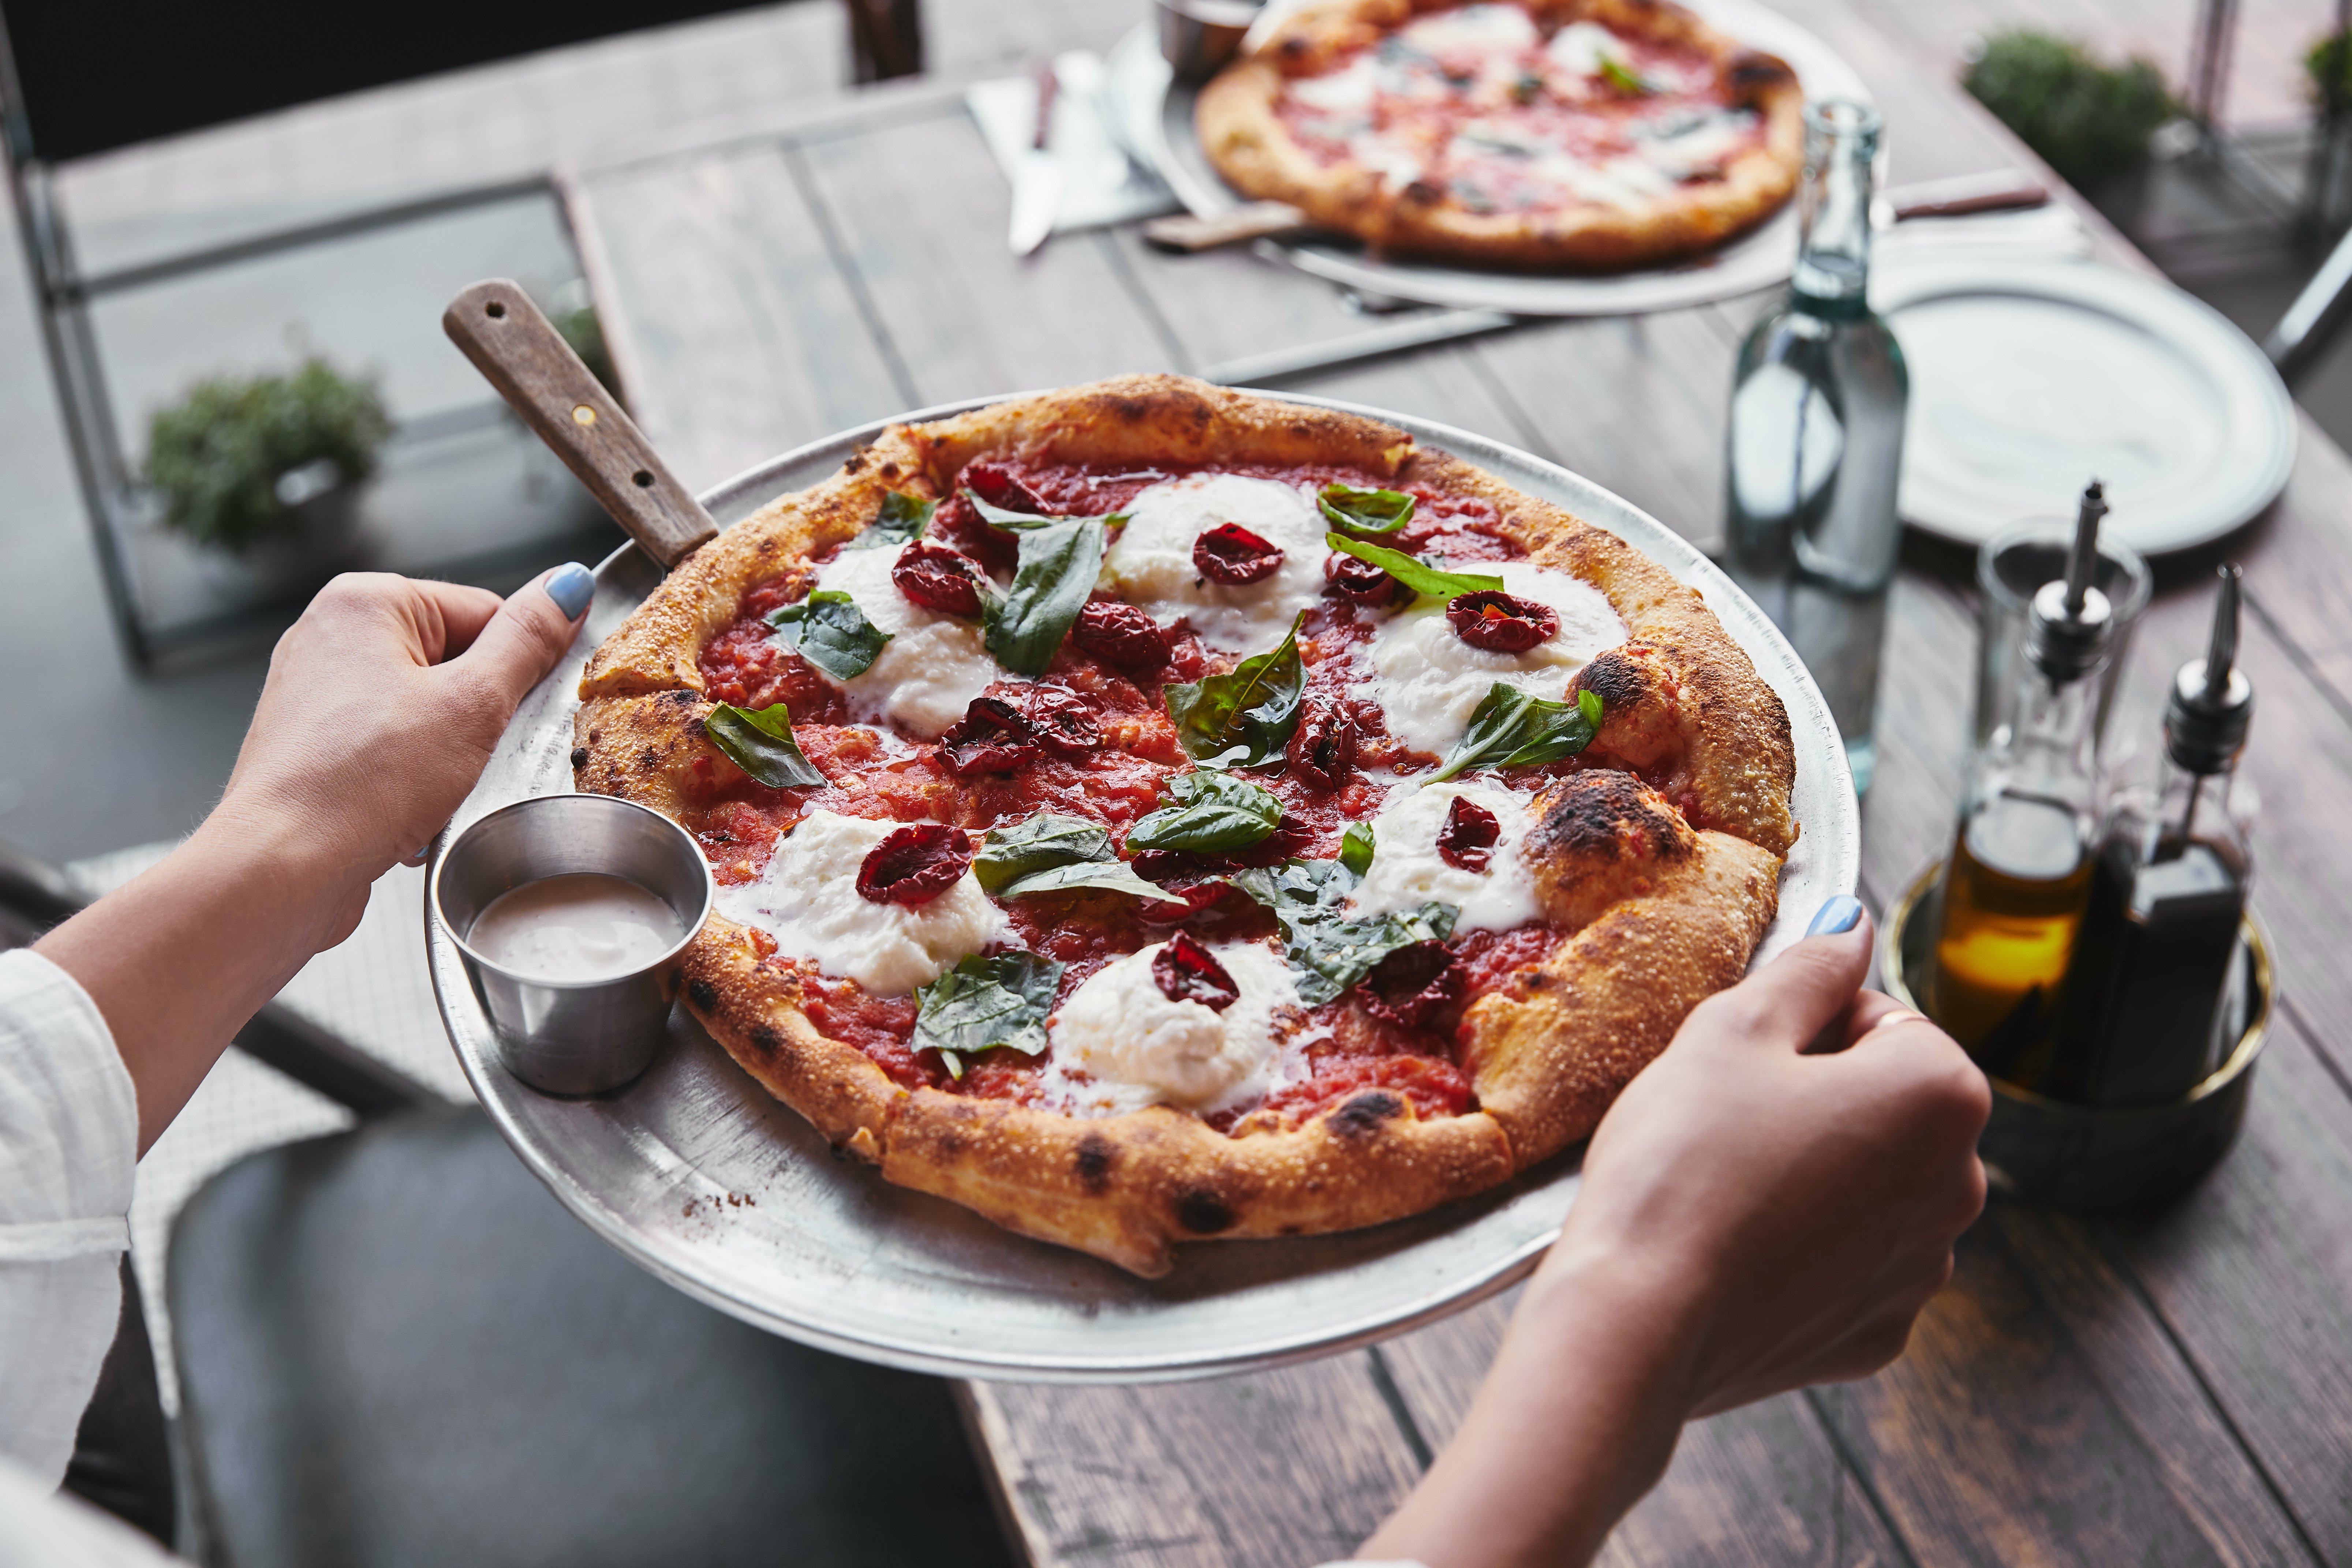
(645, 749)
(1549, 1056)
(1128, 1188)
(659, 646)
(1246, 138)
(1602, 836)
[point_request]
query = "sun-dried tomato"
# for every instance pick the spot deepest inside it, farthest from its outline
(1192, 882)
(1467, 839)
(1323, 748)
(1353, 577)
(1232, 554)
(1063, 721)
(1186, 971)
(1413, 984)
(993, 483)
(991, 738)
(1501, 623)
(1120, 634)
(938, 578)
(914, 864)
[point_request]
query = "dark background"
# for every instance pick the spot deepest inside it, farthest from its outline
(99, 74)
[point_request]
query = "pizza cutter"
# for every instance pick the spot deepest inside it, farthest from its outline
(517, 350)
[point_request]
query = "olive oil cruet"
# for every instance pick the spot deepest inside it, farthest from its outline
(2015, 886)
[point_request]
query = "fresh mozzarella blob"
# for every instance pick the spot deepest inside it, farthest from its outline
(1697, 147)
(1431, 680)
(933, 665)
(1580, 46)
(1152, 564)
(577, 927)
(1482, 29)
(1137, 1047)
(1626, 183)
(1343, 91)
(1396, 163)
(807, 899)
(1407, 871)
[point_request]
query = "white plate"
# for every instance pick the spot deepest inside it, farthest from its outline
(1137, 82)
(2029, 377)
(699, 1176)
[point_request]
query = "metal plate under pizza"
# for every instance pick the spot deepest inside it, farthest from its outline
(2030, 376)
(696, 1175)
(1154, 115)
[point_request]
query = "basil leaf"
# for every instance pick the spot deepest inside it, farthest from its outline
(1418, 575)
(901, 520)
(1364, 511)
(986, 1001)
(1623, 78)
(760, 742)
(1024, 521)
(1052, 854)
(1245, 718)
(831, 631)
(1210, 814)
(1356, 848)
(1328, 952)
(1510, 729)
(1059, 564)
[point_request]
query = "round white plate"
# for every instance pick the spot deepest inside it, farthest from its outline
(698, 1175)
(2029, 377)
(1155, 117)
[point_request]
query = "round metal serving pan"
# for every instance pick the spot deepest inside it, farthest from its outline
(695, 1174)
(1154, 114)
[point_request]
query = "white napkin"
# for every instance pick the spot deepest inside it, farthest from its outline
(1104, 184)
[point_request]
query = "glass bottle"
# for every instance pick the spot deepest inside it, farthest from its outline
(2018, 876)
(2168, 892)
(1816, 437)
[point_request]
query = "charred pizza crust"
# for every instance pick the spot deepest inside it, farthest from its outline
(1246, 139)
(1667, 894)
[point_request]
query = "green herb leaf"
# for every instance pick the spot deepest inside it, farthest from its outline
(1245, 718)
(986, 1001)
(1418, 575)
(1625, 79)
(1054, 854)
(1328, 952)
(760, 742)
(1026, 521)
(1510, 729)
(1365, 512)
(1059, 564)
(901, 520)
(831, 631)
(1356, 848)
(1210, 813)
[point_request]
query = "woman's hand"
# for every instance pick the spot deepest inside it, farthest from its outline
(1769, 1203)
(382, 705)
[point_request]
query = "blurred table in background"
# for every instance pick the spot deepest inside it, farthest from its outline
(2173, 1387)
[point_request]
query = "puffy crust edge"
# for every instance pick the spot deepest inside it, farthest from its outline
(1549, 1061)
(1245, 139)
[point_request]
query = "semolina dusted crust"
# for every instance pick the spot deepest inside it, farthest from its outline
(1254, 150)
(1665, 894)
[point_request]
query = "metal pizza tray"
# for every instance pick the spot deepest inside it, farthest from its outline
(1153, 115)
(696, 1175)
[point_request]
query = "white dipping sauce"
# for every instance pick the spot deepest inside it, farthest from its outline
(580, 927)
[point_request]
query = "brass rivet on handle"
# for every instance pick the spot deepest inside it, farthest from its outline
(583, 415)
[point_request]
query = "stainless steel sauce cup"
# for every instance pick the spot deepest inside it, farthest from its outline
(573, 1036)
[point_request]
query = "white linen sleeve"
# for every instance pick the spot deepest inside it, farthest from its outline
(68, 1150)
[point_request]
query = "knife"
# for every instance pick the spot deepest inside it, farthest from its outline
(1038, 178)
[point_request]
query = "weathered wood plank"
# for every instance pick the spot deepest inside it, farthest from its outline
(920, 210)
(1444, 384)
(734, 329)
(1225, 304)
(1281, 1469)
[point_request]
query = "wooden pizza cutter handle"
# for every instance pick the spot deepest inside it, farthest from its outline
(521, 353)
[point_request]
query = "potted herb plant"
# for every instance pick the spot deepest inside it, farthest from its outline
(2092, 124)
(267, 470)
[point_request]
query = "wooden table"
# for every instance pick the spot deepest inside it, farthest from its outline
(2172, 1387)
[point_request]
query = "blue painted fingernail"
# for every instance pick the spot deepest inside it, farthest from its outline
(572, 586)
(1837, 916)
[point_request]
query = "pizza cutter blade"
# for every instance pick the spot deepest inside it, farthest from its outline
(495, 324)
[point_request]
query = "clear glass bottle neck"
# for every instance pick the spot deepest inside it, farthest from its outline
(2049, 748)
(1832, 271)
(2199, 805)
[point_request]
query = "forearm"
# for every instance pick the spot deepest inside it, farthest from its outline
(1576, 1420)
(179, 959)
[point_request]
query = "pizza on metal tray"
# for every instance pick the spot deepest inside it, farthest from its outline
(1566, 134)
(1147, 812)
